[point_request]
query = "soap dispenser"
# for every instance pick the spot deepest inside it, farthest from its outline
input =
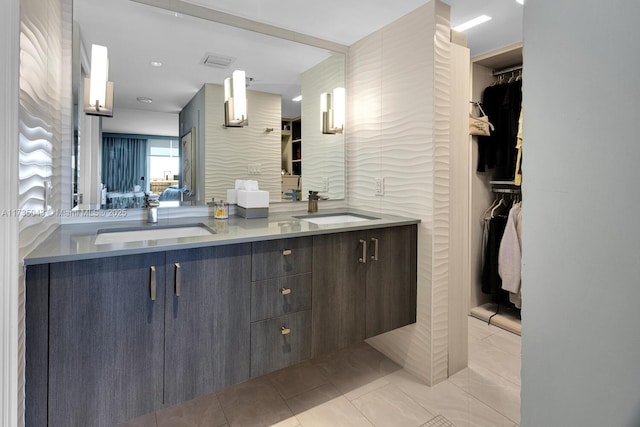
(313, 202)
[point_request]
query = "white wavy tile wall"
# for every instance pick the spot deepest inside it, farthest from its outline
(223, 165)
(327, 151)
(398, 130)
(44, 121)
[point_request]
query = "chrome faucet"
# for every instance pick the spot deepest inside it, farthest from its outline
(151, 203)
(313, 202)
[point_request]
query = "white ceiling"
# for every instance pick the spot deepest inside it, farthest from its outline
(347, 21)
(137, 34)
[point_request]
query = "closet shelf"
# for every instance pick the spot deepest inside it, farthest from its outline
(508, 318)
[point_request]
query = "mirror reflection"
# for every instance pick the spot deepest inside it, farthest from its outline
(168, 71)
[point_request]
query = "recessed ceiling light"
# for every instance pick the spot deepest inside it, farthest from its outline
(472, 23)
(156, 64)
(520, 1)
(297, 98)
(144, 100)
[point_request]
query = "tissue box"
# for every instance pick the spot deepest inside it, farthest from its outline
(253, 204)
(232, 197)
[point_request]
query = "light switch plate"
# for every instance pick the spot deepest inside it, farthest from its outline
(254, 169)
(325, 184)
(379, 187)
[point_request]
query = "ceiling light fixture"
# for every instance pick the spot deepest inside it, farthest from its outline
(144, 100)
(472, 23)
(297, 98)
(520, 1)
(156, 64)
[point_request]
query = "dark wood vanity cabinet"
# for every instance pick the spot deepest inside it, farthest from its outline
(364, 284)
(280, 304)
(113, 338)
(207, 341)
(128, 335)
(105, 340)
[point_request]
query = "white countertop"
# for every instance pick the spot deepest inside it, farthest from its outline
(77, 241)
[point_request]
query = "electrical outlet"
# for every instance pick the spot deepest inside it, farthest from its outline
(325, 184)
(254, 169)
(379, 187)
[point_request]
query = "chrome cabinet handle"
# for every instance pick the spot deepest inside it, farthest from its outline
(285, 331)
(285, 291)
(152, 283)
(286, 252)
(178, 279)
(363, 258)
(375, 249)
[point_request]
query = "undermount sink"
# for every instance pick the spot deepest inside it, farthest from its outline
(151, 232)
(339, 218)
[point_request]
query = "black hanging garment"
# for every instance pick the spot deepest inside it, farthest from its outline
(491, 281)
(502, 103)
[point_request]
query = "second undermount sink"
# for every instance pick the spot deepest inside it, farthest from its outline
(338, 218)
(155, 232)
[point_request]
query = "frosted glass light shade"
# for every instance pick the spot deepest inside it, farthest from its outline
(235, 100)
(98, 93)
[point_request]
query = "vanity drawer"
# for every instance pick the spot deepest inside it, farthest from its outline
(275, 258)
(280, 342)
(282, 295)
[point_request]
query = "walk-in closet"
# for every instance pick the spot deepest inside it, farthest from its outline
(495, 195)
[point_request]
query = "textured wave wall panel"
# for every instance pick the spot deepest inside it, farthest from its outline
(327, 151)
(441, 192)
(44, 128)
(223, 165)
(398, 131)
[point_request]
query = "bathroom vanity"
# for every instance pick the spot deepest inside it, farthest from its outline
(118, 330)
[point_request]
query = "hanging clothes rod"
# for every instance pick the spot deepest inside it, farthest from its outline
(506, 190)
(508, 70)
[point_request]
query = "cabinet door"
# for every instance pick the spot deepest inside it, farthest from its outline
(338, 291)
(391, 279)
(105, 340)
(207, 337)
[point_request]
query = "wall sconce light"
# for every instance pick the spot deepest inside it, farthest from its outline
(235, 100)
(98, 90)
(332, 106)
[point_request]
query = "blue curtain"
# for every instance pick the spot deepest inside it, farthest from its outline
(124, 162)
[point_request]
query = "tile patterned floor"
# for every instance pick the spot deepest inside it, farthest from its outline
(359, 386)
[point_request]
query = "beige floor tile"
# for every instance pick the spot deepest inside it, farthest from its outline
(332, 413)
(506, 341)
(366, 388)
(390, 406)
(297, 379)
(148, 420)
(462, 409)
(255, 403)
(355, 367)
(204, 411)
(485, 356)
(479, 329)
(313, 398)
(494, 391)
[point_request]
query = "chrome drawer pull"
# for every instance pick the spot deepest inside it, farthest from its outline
(363, 258)
(286, 252)
(375, 249)
(285, 291)
(285, 331)
(152, 283)
(178, 279)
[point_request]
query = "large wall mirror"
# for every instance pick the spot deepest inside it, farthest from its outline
(168, 70)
